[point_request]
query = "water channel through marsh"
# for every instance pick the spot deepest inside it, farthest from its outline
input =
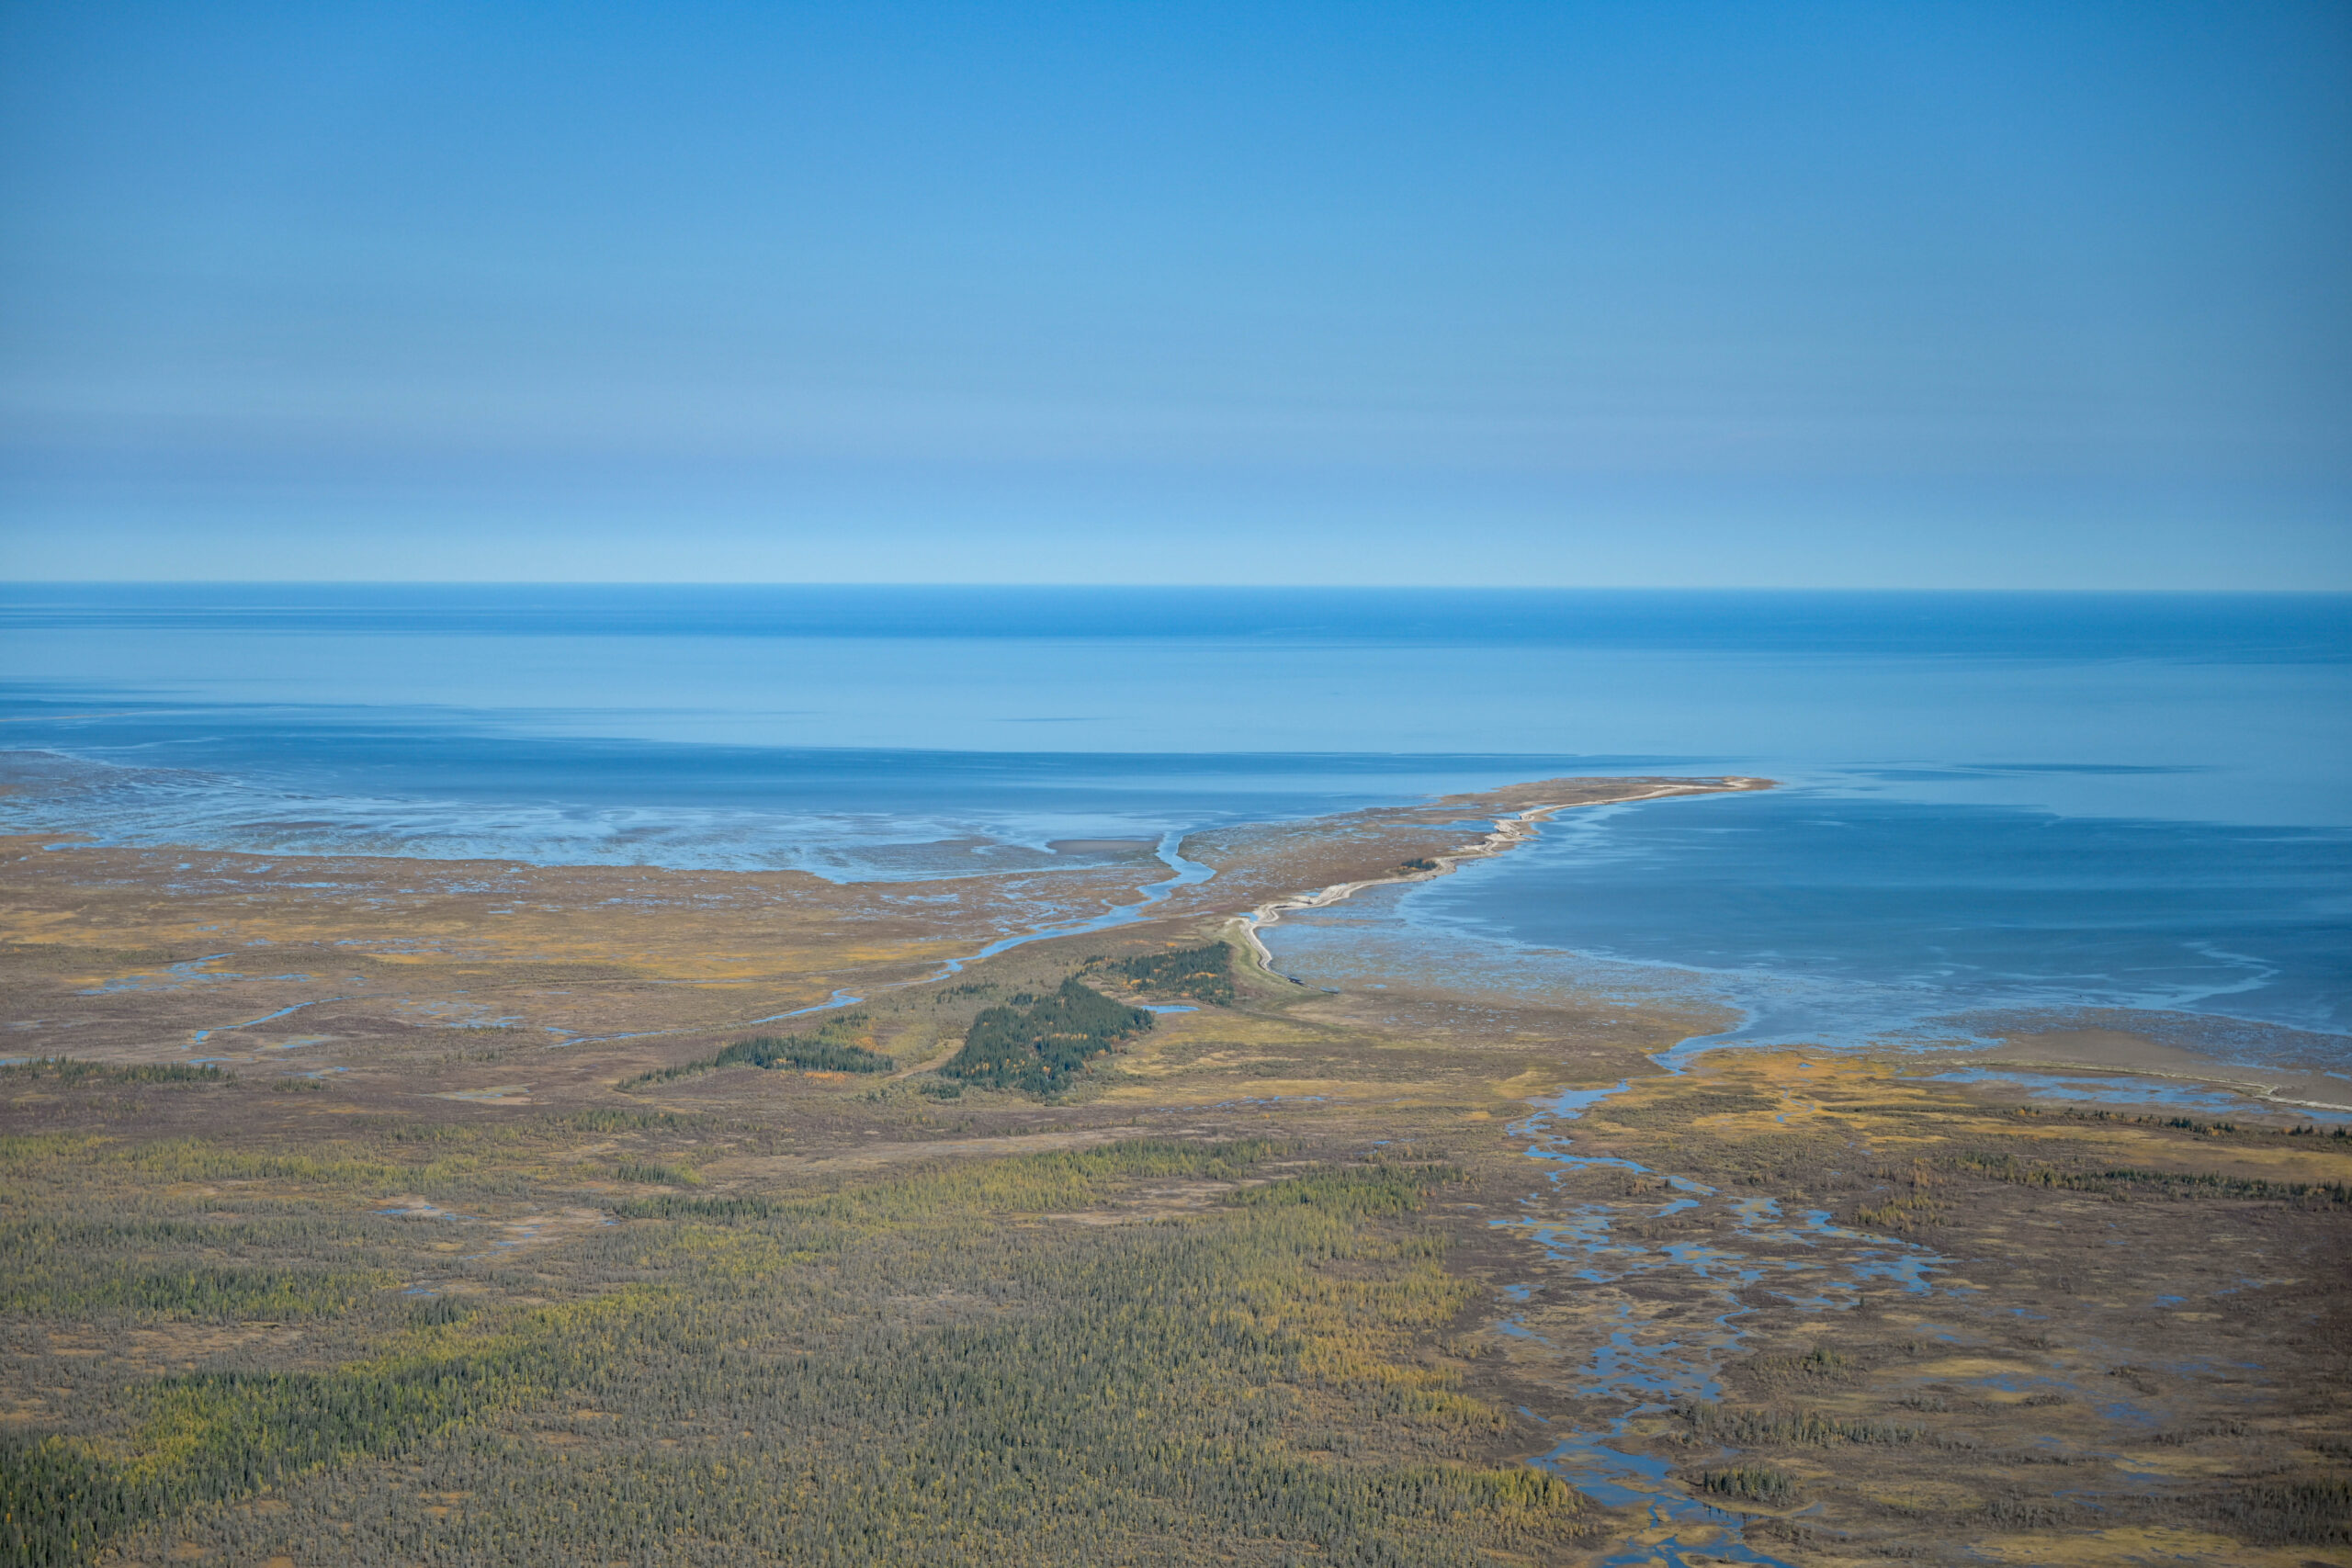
(1677, 1306)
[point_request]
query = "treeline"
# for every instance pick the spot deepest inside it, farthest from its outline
(1059, 1179)
(1203, 973)
(2122, 1181)
(1786, 1428)
(827, 1051)
(832, 1048)
(341, 1164)
(218, 1434)
(604, 1119)
(1752, 1481)
(654, 1173)
(2190, 1124)
(1040, 1046)
(1370, 1192)
(69, 1069)
(71, 1287)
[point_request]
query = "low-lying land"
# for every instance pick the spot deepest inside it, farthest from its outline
(1281, 1276)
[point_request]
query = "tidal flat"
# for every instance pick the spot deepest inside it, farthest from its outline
(380, 1211)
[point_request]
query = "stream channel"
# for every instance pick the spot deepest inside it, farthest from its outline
(1656, 1359)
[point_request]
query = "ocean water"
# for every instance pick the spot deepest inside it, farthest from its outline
(1998, 812)
(1823, 914)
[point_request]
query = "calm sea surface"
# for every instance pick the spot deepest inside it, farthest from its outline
(2002, 809)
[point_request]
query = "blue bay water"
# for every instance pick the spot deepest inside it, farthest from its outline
(1996, 806)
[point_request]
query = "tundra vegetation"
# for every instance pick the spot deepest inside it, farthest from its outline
(1004, 1269)
(913, 1368)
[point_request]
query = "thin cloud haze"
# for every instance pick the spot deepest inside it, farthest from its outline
(1982, 296)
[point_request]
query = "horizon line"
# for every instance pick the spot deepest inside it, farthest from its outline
(10, 582)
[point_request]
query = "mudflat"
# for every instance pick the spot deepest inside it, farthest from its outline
(394, 1211)
(2122, 1051)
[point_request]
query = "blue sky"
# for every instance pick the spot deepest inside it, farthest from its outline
(1678, 294)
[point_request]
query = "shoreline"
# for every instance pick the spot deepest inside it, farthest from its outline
(2137, 1056)
(2120, 1053)
(1756, 1250)
(1510, 831)
(446, 927)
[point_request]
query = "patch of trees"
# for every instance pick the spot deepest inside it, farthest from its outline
(2190, 1124)
(905, 1371)
(832, 1048)
(1786, 1428)
(1040, 1046)
(823, 1051)
(73, 1288)
(1201, 974)
(1903, 1214)
(2313, 1510)
(1367, 1192)
(2125, 1181)
(1753, 1483)
(336, 1164)
(605, 1119)
(228, 1433)
(720, 1211)
(69, 1069)
(656, 1175)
